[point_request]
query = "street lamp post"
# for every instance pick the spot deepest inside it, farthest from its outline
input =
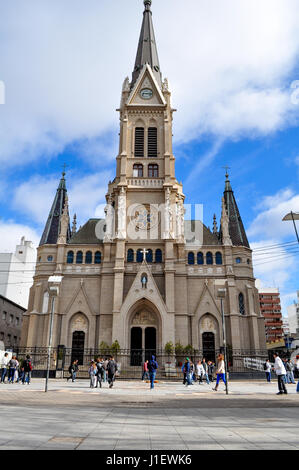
(221, 295)
(53, 287)
(292, 216)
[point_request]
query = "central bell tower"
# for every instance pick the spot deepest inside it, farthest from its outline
(147, 200)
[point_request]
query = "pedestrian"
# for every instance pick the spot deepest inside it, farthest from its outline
(296, 371)
(100, 371)
(27, 366)
(200, 372)
(111, 369)
(267, 369)
(92, 374)
(73, 369)
(13, 363)
(145, 371)
(290, 372)
(4, 367)
(211, 370)
(187, 369)
(20, 372)
(280, 372)
(220, 371)
(105, 370)
(192, 373)
(206, 370)
(152, 368)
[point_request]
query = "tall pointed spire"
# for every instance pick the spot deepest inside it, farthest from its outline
(236, 228)
(147, 49)
(51, 231)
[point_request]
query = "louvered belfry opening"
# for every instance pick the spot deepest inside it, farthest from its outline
(139, 142)
(152, 144)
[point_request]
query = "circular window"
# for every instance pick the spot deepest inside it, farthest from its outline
(146, 93)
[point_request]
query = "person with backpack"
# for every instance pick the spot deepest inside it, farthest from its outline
(27, 366)
(152, 368)
(73, 369)
(111, 369)
(267, 369)
(187, 372)
(100, 371)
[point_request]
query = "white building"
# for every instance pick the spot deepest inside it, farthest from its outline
(16, 272)
(293, 315)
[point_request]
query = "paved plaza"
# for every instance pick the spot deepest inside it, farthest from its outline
(131, 416)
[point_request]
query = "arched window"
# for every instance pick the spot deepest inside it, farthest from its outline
(241, 304)
(191, 258)
(200, 258)
(88, 257)
(153, 171)
(139, 142)
(149, 256)
(70, 257)
(209, 258)
(152, 142)
(79, 257)
(98, 257)
(130, 256)
(138, 170)
(158, 257)
(139, 256)
(45, 306)
(218, 258)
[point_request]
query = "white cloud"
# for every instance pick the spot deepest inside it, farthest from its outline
(34, 197)
(272, 210)
(11, 234)
(63, 64)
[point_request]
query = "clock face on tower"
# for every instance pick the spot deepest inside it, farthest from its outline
(146, 93)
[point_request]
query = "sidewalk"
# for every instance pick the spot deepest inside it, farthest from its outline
(130, 416)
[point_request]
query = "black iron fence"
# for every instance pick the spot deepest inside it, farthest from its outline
(130, 362)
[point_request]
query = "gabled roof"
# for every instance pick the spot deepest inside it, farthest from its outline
(236, 228)
(147, 49)
(86, 235)
(51, 230)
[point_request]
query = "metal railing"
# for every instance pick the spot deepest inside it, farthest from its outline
(130, 362)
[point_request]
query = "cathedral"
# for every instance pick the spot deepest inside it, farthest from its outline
(144, 276)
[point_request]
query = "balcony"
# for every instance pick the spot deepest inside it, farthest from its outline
(145, 182)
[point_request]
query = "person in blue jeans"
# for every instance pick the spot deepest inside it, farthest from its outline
(152, 368)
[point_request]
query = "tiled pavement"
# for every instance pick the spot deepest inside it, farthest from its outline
(130, 416)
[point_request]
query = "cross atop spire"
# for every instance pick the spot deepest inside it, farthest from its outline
(147, 49)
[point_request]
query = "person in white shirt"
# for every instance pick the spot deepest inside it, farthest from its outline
(4, 367)
(280, 372)
(200, 372)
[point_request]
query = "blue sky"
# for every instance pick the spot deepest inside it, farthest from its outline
(63, 64)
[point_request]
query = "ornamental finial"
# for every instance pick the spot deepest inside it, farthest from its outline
(147, 4)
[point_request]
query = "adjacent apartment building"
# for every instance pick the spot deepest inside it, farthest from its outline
(271, 310)
(11, 319)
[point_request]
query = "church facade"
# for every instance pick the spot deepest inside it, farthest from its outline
(144, 276)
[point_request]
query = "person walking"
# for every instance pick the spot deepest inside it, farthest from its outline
(280, 372)
(27, 366)
(145, 371)
(20, 371)
(187, 372)
(111, 369)
(105, 370)
(206, 371)
(13, 363)
(152, 368)
(220, 371)
(4, 367)
(290, 372)
(100, 371)
(73, 369)
(267, 369)
(200, 372)
(92, 374)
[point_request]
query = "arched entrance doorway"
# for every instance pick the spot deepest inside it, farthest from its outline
(208, 346)
(78, 341)
(143, 339)
(208, 337)
(78, 336)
